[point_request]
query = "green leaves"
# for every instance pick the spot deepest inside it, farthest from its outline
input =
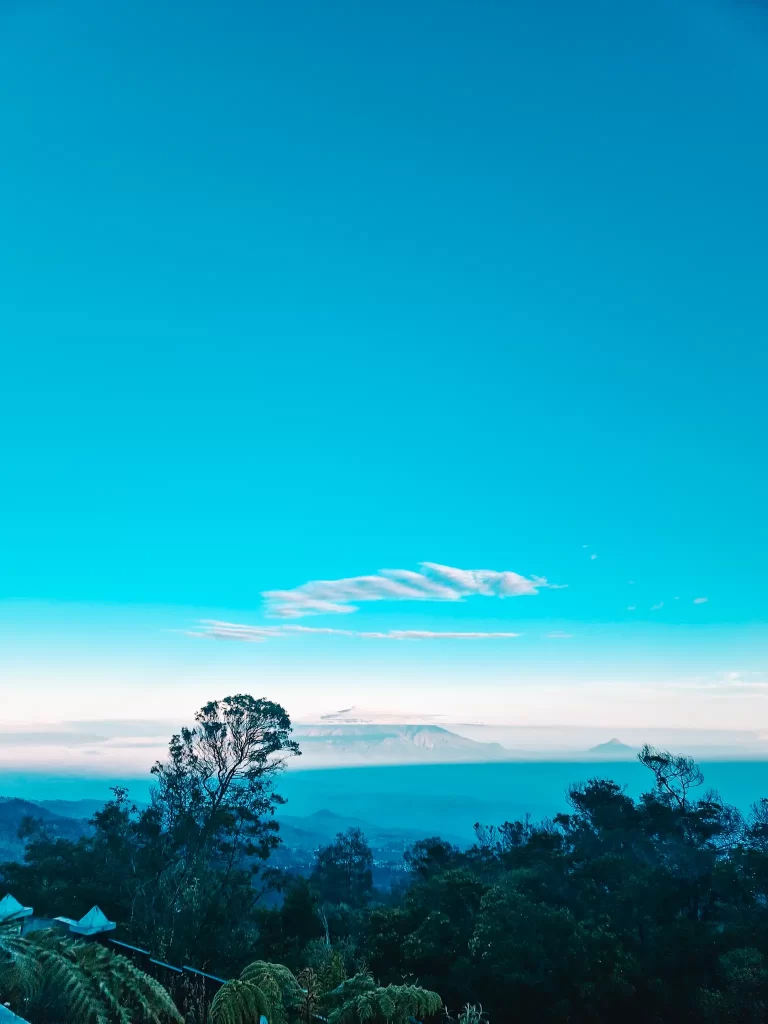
(239, 1002)
(342, 872)
(278, 985)
(271, 990)
(360, 999)
(263, 989)
(83, 982)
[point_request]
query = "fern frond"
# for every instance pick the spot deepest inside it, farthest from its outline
(362, 1000)
(82, 982)
(139, 996)
(278, 984)
(239, 1002)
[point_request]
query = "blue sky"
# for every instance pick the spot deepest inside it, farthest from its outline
(302, 292)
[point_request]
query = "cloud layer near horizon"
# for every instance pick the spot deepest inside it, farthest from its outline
(218, 630)
(434, 583)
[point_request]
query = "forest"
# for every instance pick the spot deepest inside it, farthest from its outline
(652, 909)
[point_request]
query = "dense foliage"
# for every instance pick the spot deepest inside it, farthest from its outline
(647, 910)
(271, 990)
(652, 910)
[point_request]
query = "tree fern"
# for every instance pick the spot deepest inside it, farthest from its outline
(239, 1002)
(279, 986)
(360, 999)
(263, 989)
(80, 982)
(138, 993)
(47, 979)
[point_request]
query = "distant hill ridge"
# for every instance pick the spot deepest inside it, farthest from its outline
(81, 809)
(612, 746)
(302, 833)
(13, 811)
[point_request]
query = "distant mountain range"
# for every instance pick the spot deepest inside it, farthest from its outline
(301, 836)
(361, 736)
(355, 735)
(372, 744)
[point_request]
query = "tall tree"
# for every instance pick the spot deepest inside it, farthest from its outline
(342, 872)
(183, 876)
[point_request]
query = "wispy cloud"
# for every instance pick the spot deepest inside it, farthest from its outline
(632, 608)
(559, 636)
(433, 583)
(218, 630)
(215, 629)
(402, 634)
(700, 600)
(655, 607)
(593, 557)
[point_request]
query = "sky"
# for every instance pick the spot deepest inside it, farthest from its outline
(410, 355)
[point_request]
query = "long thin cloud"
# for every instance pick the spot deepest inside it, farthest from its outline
(433, 583)
(215, 629)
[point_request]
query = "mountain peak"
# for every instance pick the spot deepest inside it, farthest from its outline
(352, 741)
(612, 746)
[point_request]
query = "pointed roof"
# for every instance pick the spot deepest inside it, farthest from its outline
(12, 910)
(7, 1015)
(93, 923)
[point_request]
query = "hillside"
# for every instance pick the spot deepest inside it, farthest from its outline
(13, 811)
(323, 826)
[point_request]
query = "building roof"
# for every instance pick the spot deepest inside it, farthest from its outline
(93, 923)
(7, 1017)
(12, 910)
